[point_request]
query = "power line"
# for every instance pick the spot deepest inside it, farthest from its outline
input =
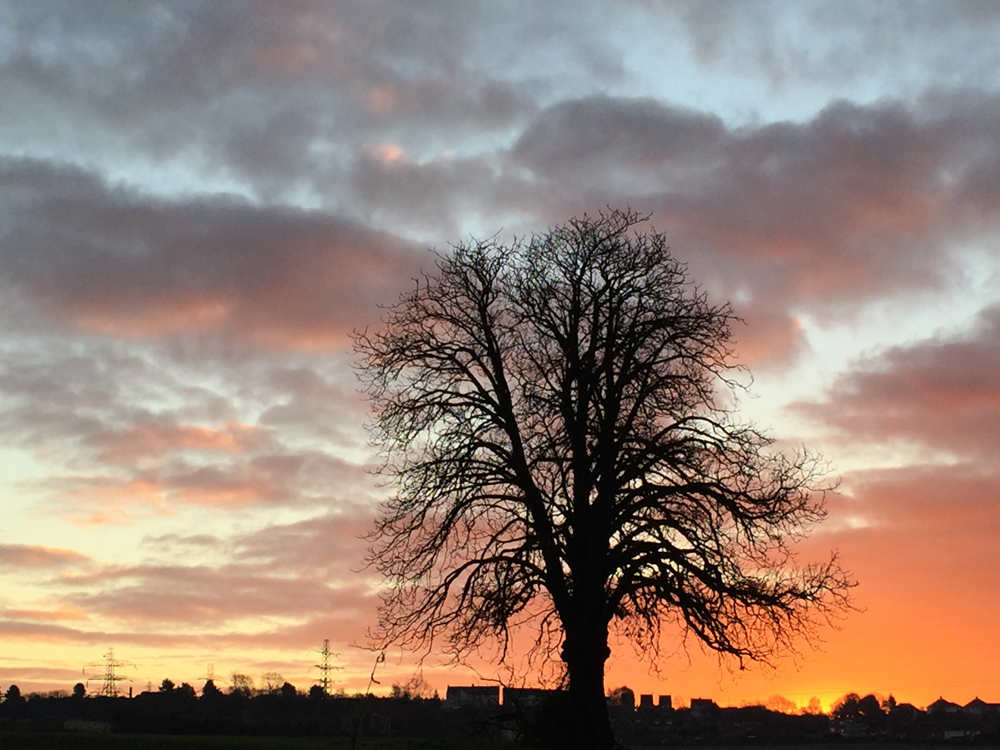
(110, 678)
(325, 668)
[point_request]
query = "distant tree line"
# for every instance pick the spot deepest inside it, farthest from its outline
(277, 708)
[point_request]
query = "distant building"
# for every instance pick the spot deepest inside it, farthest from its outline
(525, 697)
(941, 707)
(627, 700)
(703, 708)
(472, 695)
(978, 707)
(664, 703)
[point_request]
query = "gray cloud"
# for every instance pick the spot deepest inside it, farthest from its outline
(107, 260)
(273, 96)
(325, 546)
(942, 393)
(130, 431)
(899, 44)
(856, 204)
(600, 133)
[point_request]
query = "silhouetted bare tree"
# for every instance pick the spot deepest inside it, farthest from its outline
(242, 684)
(272, 683)
(551, 413)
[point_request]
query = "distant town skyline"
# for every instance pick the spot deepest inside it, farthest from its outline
(513, 713)
(200, 200)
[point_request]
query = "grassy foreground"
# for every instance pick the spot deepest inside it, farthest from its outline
(67, 741)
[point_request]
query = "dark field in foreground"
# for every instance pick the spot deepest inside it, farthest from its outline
(65, 741)
(68, 741)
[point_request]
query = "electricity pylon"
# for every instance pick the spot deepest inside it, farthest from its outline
(110, 679)
(325, 667)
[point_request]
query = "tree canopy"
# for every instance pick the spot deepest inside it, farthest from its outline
(555, 421)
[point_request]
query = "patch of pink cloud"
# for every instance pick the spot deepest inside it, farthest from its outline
(44, 615)
(160, 319)
(767, 339)
(141, 440)
(942, 393)
(35, 556)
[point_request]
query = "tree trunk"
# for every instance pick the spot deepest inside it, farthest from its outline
(585, 650)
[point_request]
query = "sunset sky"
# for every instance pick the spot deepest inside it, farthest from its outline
(200, 200)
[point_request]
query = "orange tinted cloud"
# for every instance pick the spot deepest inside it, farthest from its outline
(124, 498)
(109, 500)
(100, 501)
(44, 615)
(135, 441)
(34, 556)
(288, 573)
(159, 319)
(768, 339)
